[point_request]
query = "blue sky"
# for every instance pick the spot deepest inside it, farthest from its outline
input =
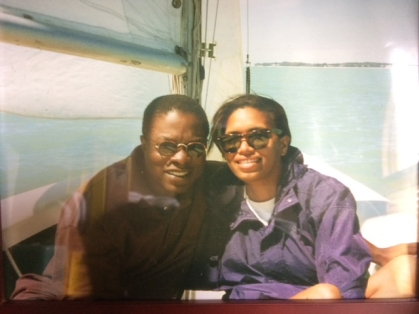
(330, 30)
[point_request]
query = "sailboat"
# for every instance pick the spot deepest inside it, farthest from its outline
(116, 53)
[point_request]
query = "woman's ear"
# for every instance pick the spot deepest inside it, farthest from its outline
(285, 143)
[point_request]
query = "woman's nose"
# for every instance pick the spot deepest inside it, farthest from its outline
(245, 148)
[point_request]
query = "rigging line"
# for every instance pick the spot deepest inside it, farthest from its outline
(210, 65)
(247, 18)
(11, 260)
(215, 23)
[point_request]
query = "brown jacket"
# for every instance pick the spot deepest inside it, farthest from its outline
(115, 241)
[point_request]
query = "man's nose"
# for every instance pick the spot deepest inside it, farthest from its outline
(181, 156)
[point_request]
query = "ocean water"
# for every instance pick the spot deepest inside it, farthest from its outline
(336, 114)
(35, 152)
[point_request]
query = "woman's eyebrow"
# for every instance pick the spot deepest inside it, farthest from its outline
(247, 131)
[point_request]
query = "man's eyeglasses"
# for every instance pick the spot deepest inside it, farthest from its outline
(193, 149)
(257, 139)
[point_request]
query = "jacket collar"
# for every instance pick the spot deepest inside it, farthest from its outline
(284, 218)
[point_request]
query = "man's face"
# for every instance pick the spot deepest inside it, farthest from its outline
(173, 175)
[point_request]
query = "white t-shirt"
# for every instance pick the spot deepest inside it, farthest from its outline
(262, 210)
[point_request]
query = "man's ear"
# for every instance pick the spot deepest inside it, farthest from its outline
(285, 143)
(143, 142)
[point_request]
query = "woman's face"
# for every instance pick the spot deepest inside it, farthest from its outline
(255, 165)
(173, 175)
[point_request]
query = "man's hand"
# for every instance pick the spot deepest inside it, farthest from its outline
(382, 256)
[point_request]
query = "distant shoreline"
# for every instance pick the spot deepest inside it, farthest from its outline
(327, 65)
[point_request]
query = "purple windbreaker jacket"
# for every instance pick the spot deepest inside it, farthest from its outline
(312, 237)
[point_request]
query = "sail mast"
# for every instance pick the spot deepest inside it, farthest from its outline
(247, 58)
(191, 49)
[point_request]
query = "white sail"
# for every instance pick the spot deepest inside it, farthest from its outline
(47, 84)
(49, 79)
(136, 33)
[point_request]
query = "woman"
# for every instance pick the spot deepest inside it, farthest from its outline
(296, 234)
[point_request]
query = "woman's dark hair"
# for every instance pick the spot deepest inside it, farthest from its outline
(267, 105)
(164, 104)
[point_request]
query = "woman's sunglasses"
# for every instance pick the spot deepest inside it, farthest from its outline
(256, 139)
(193, 149)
